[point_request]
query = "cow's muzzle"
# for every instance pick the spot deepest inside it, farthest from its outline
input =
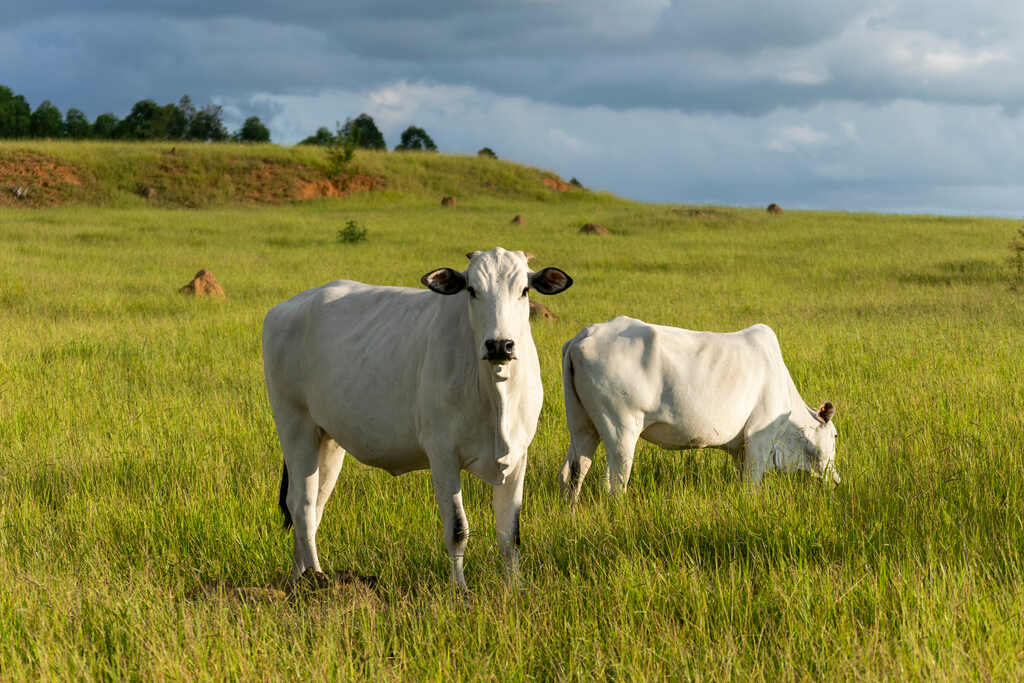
(499, 350)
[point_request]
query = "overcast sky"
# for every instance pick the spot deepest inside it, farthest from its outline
(906, 105)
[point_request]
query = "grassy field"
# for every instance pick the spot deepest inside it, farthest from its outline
(139, 466)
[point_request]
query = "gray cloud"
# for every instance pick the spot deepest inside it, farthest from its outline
(771, 99)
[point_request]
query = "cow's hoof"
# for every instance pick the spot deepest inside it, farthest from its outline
(313, 580)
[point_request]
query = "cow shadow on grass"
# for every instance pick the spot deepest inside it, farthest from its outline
(344, 584)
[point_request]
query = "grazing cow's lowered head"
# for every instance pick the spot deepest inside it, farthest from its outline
(496, 285)
(807, 442)
(823, 440)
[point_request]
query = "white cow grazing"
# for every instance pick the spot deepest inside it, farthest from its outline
(406, 379)
(626, 379)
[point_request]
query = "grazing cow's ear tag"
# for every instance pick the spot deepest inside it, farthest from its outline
(444, 281)
(550, 281)
(826, 411)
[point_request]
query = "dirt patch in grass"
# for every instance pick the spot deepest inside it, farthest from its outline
(556, 184)
(33, 179)
(274, 183)
(179, 182)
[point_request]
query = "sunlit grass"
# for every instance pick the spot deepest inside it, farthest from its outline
(139, 464)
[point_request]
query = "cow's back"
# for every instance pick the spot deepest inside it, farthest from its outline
(350, 354)
(683, 389)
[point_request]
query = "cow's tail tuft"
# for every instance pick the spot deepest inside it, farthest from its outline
(282, 499)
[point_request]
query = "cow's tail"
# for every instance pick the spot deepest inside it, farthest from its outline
(282, 499)
(575, 414)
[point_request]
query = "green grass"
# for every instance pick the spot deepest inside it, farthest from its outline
(139, 464)
(200, 175)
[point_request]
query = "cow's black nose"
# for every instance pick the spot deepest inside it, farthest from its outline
(500, 349)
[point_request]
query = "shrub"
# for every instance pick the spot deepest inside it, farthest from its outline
(576, 183)
(1017, 258)
(341, 148)
(487, 152)
(353, 232)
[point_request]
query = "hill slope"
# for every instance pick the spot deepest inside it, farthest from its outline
(48, 173)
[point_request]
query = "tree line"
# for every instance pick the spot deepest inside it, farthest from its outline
(361, 132)
(147, 120)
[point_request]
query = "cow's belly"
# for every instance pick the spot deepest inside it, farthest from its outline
(675, 436)
(375, 441)
(394, 462)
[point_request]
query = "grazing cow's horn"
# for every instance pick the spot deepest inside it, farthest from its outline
(471, 254)
(826, 411)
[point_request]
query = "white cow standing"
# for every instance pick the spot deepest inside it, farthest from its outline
(404, 379)
(626, 379)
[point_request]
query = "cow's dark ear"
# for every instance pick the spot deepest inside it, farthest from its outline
(826, 411)
(550, 281)
(445, 281)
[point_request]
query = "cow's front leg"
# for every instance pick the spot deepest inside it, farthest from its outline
(448, 493)
(757, 453)
(507, 503)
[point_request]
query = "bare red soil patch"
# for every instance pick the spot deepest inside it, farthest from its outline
(33, 179)
(556, 185)
(273, 183)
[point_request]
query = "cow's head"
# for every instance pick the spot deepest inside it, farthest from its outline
(495, 286)
(823, 444)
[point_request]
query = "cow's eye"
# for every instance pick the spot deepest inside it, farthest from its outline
(526, 290)
(472, 292)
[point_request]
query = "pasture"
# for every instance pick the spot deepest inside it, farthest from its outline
(139, 465)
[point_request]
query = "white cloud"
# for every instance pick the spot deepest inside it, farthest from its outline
(834, 155)
(951, 61)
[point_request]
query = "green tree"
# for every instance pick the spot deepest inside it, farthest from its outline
(206, 125)
(76, 126)
(322, 136)
(487, 152)
(105, 126)
(188, 111)
(415, 138)
(139, 124)
(253, 130)
(15, 115)
(363, 132)
(176, 118)
(47, 121)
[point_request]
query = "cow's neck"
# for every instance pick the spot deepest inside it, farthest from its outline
(499, 399)
(791, 444)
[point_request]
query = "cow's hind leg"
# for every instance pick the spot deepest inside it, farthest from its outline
(507, 503)
(619, 448)
(578, 459)
(448, 493)
(330, 458)
(300, 441)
